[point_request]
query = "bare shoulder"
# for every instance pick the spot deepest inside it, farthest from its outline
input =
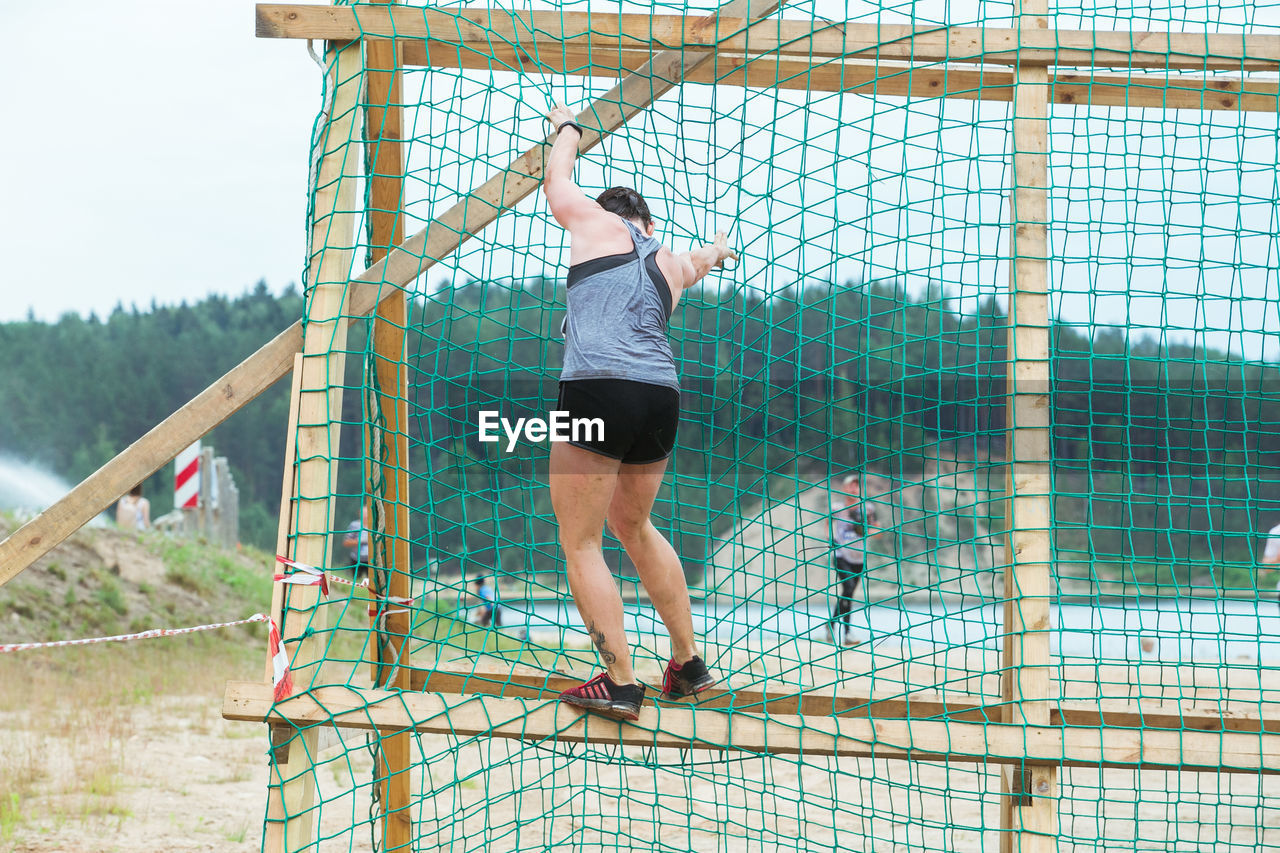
(597, 234)
(677, 268)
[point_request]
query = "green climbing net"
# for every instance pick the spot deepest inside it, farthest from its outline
(863, 331)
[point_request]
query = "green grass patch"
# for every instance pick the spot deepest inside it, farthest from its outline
(213, 572)
(110, 595)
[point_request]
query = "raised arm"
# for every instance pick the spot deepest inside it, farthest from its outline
(704, 259)
(569, 204)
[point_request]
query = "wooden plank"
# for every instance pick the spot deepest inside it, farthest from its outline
(525, 683)
(291, 821)
(1112, 713)
(384, 118)
(1029, 807)
(1154, 90)
(287, 492)
(529, 684)
(144, 457)
(539, 30)
(206, 492)
(698, 728)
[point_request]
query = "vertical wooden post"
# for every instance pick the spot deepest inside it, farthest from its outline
(281, 735)
(291, 818)
(1028, 807)
(207, 522)
(288, 493)
(222, 477)
(384, 120)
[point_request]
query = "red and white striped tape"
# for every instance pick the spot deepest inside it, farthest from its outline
(282, 680)
(305, 575)
(141, 635)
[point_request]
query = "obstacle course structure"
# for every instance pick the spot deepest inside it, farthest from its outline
(860, 160)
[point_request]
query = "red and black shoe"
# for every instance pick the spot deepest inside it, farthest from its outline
(686, 679)
(602, 695)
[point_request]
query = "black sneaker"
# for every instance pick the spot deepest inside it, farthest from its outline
(686, 679)
(601, 694)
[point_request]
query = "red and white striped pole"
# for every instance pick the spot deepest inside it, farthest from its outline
(186, 478)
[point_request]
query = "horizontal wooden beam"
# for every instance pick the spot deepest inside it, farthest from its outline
(1116, 713)
(535, 31)
(710, 729)
(144, 457)
(538, 685)
(1154, 90)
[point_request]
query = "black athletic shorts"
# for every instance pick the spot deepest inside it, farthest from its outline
(640, 419)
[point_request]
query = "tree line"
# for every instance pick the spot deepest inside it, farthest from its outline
(1164, 453)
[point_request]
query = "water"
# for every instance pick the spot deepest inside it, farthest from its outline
(1202, 630)
(26, 489)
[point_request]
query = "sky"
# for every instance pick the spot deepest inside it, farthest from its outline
(162, 155)
(157, 151)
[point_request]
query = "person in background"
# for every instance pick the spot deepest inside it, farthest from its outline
(487, 609)
(357, 540)
(133, 512)
(1271, 555)
(851, 527)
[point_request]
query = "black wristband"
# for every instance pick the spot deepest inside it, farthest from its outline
(572, 124)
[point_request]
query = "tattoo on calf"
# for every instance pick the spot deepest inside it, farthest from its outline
(597, 637)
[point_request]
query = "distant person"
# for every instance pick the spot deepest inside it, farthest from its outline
(357, 540)
(851, 527)
(133, 512)
(1271, 554)
(487, 610)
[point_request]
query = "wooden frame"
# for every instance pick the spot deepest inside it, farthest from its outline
(796, 700)
(384, 123)
(1035, 734)
(1029, 805)
(290, 820)
(265, 367)
(553, 30)
(882, 79)
(899, 61)
(696, 728)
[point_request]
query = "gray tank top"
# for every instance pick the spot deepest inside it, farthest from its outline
(616, 323)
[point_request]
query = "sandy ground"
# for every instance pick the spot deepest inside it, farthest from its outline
(168, 774)
(190, 781)
(160, 772)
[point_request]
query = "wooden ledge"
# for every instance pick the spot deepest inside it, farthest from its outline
(535, 31)
(1152, 90)
(711, 729)
(525, 683)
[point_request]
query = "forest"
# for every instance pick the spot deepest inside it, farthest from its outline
(1165, 456)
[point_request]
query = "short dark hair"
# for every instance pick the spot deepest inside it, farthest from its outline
(627, 203)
